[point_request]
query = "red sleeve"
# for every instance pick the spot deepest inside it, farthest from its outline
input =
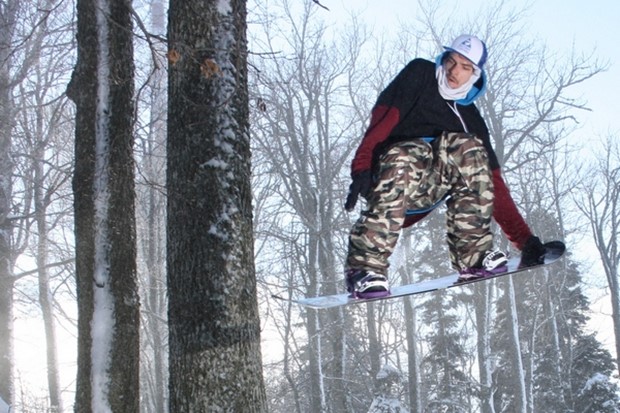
(383, 120)
(507, 215)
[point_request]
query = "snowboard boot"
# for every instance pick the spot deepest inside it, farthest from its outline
(493, 263)
(366, 284)
(533, 253)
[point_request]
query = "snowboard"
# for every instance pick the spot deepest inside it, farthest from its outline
(555, 250)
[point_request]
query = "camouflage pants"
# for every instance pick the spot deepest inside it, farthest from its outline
(416, 175)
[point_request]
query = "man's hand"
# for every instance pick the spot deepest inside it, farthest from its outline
(362, 182)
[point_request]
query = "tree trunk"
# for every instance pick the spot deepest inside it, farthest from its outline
(214, 331)
(518, 379)
(315, 328)
(154, 292)
(6, 276)
(601, 205)
(8, 13)
(413, 361)
(45, 293)
(483, 334)
(103, 184)
(316, 397)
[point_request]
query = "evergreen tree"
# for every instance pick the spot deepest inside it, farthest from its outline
(443, 364)
(590, 383)
(387, 400)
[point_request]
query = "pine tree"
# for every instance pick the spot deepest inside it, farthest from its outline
(442, 366)
(590, 384)
(387, 400)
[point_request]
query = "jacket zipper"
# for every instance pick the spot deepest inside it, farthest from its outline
(456, 112)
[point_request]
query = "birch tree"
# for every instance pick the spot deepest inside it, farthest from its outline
(103, 184)
(214, 330)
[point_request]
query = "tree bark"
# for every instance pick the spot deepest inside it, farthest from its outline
(108, 304)
(214, 331)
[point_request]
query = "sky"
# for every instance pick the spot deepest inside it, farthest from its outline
(589, 25)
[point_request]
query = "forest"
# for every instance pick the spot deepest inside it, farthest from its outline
(166, 167)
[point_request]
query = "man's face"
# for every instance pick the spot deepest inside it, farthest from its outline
(458, 70)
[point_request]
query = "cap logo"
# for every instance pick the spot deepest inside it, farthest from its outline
(466, 44)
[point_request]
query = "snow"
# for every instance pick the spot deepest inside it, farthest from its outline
(228, 131)
(388, 401)
(4, 407)
(102, 325)
(216, 163)
(382, 404)
(224, 7)
(388, 370)
(596, 380)
(103, 317)
(225, 218)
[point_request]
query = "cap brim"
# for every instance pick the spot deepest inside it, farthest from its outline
(449, 49)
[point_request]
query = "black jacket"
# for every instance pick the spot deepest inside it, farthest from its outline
(411, 107)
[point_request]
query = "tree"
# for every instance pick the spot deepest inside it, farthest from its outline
(292, 133)
(214, 331)
(599, 201)
(46, 174)
(42, 153)
(103, 185)
(389, 380)
(24, 28)
(591, 387)
(8, 22)
(526, 93)
(302, 135)
(151, 207)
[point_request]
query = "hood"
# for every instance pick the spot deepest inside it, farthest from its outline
(476, 90)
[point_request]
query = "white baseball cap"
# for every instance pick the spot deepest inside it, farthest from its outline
(471, 47)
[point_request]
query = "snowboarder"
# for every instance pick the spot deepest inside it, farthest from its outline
(427, 143)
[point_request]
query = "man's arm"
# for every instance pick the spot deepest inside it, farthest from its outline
(383, 120)
(507, 215)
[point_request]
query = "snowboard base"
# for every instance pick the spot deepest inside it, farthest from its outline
(555, 250)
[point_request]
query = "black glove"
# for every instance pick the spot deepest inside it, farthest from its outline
(533, 253)
(361, 185)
